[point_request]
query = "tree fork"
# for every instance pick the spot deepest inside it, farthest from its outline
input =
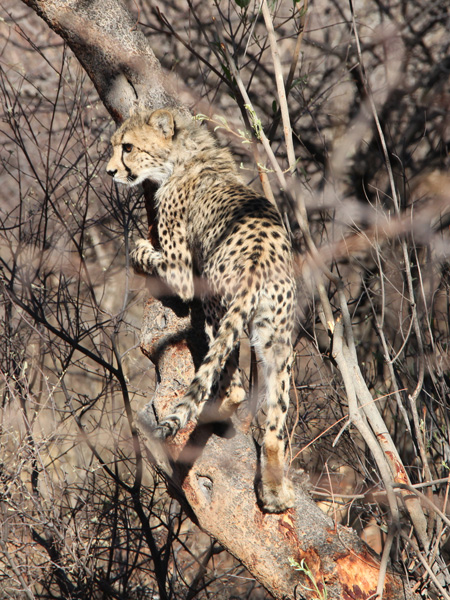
(212, 475)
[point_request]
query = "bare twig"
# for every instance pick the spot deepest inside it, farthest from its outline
(426, 566)
(282, 97)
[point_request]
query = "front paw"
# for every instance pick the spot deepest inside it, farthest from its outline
(141, 257)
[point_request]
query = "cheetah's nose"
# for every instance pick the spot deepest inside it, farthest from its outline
(111, 172)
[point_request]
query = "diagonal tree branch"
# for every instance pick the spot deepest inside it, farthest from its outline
(113, 51)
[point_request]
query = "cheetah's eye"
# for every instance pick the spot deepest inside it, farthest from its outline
(127, 147)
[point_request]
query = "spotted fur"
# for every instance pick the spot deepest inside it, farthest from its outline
(211, 223)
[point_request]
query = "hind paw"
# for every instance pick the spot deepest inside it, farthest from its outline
(276, 498)
(168, 427)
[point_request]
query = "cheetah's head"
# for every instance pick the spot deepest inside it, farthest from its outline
(142, 148)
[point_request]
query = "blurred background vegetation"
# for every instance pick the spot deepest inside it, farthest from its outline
(80, 517)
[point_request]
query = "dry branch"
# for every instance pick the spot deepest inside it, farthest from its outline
(211, 473)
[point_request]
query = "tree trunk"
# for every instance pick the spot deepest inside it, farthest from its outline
(211, 473)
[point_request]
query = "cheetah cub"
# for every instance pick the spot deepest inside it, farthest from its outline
(212, 225)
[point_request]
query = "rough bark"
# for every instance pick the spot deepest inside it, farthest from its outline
(212, 473)
(106, 40)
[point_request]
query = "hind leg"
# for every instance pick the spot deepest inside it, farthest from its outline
(217, 378)
(228, 392)
(275, 351)
(276, 490)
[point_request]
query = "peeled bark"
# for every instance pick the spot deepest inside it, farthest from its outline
(212, 473)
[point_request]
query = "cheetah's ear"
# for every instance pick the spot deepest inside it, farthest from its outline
(162, 121)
